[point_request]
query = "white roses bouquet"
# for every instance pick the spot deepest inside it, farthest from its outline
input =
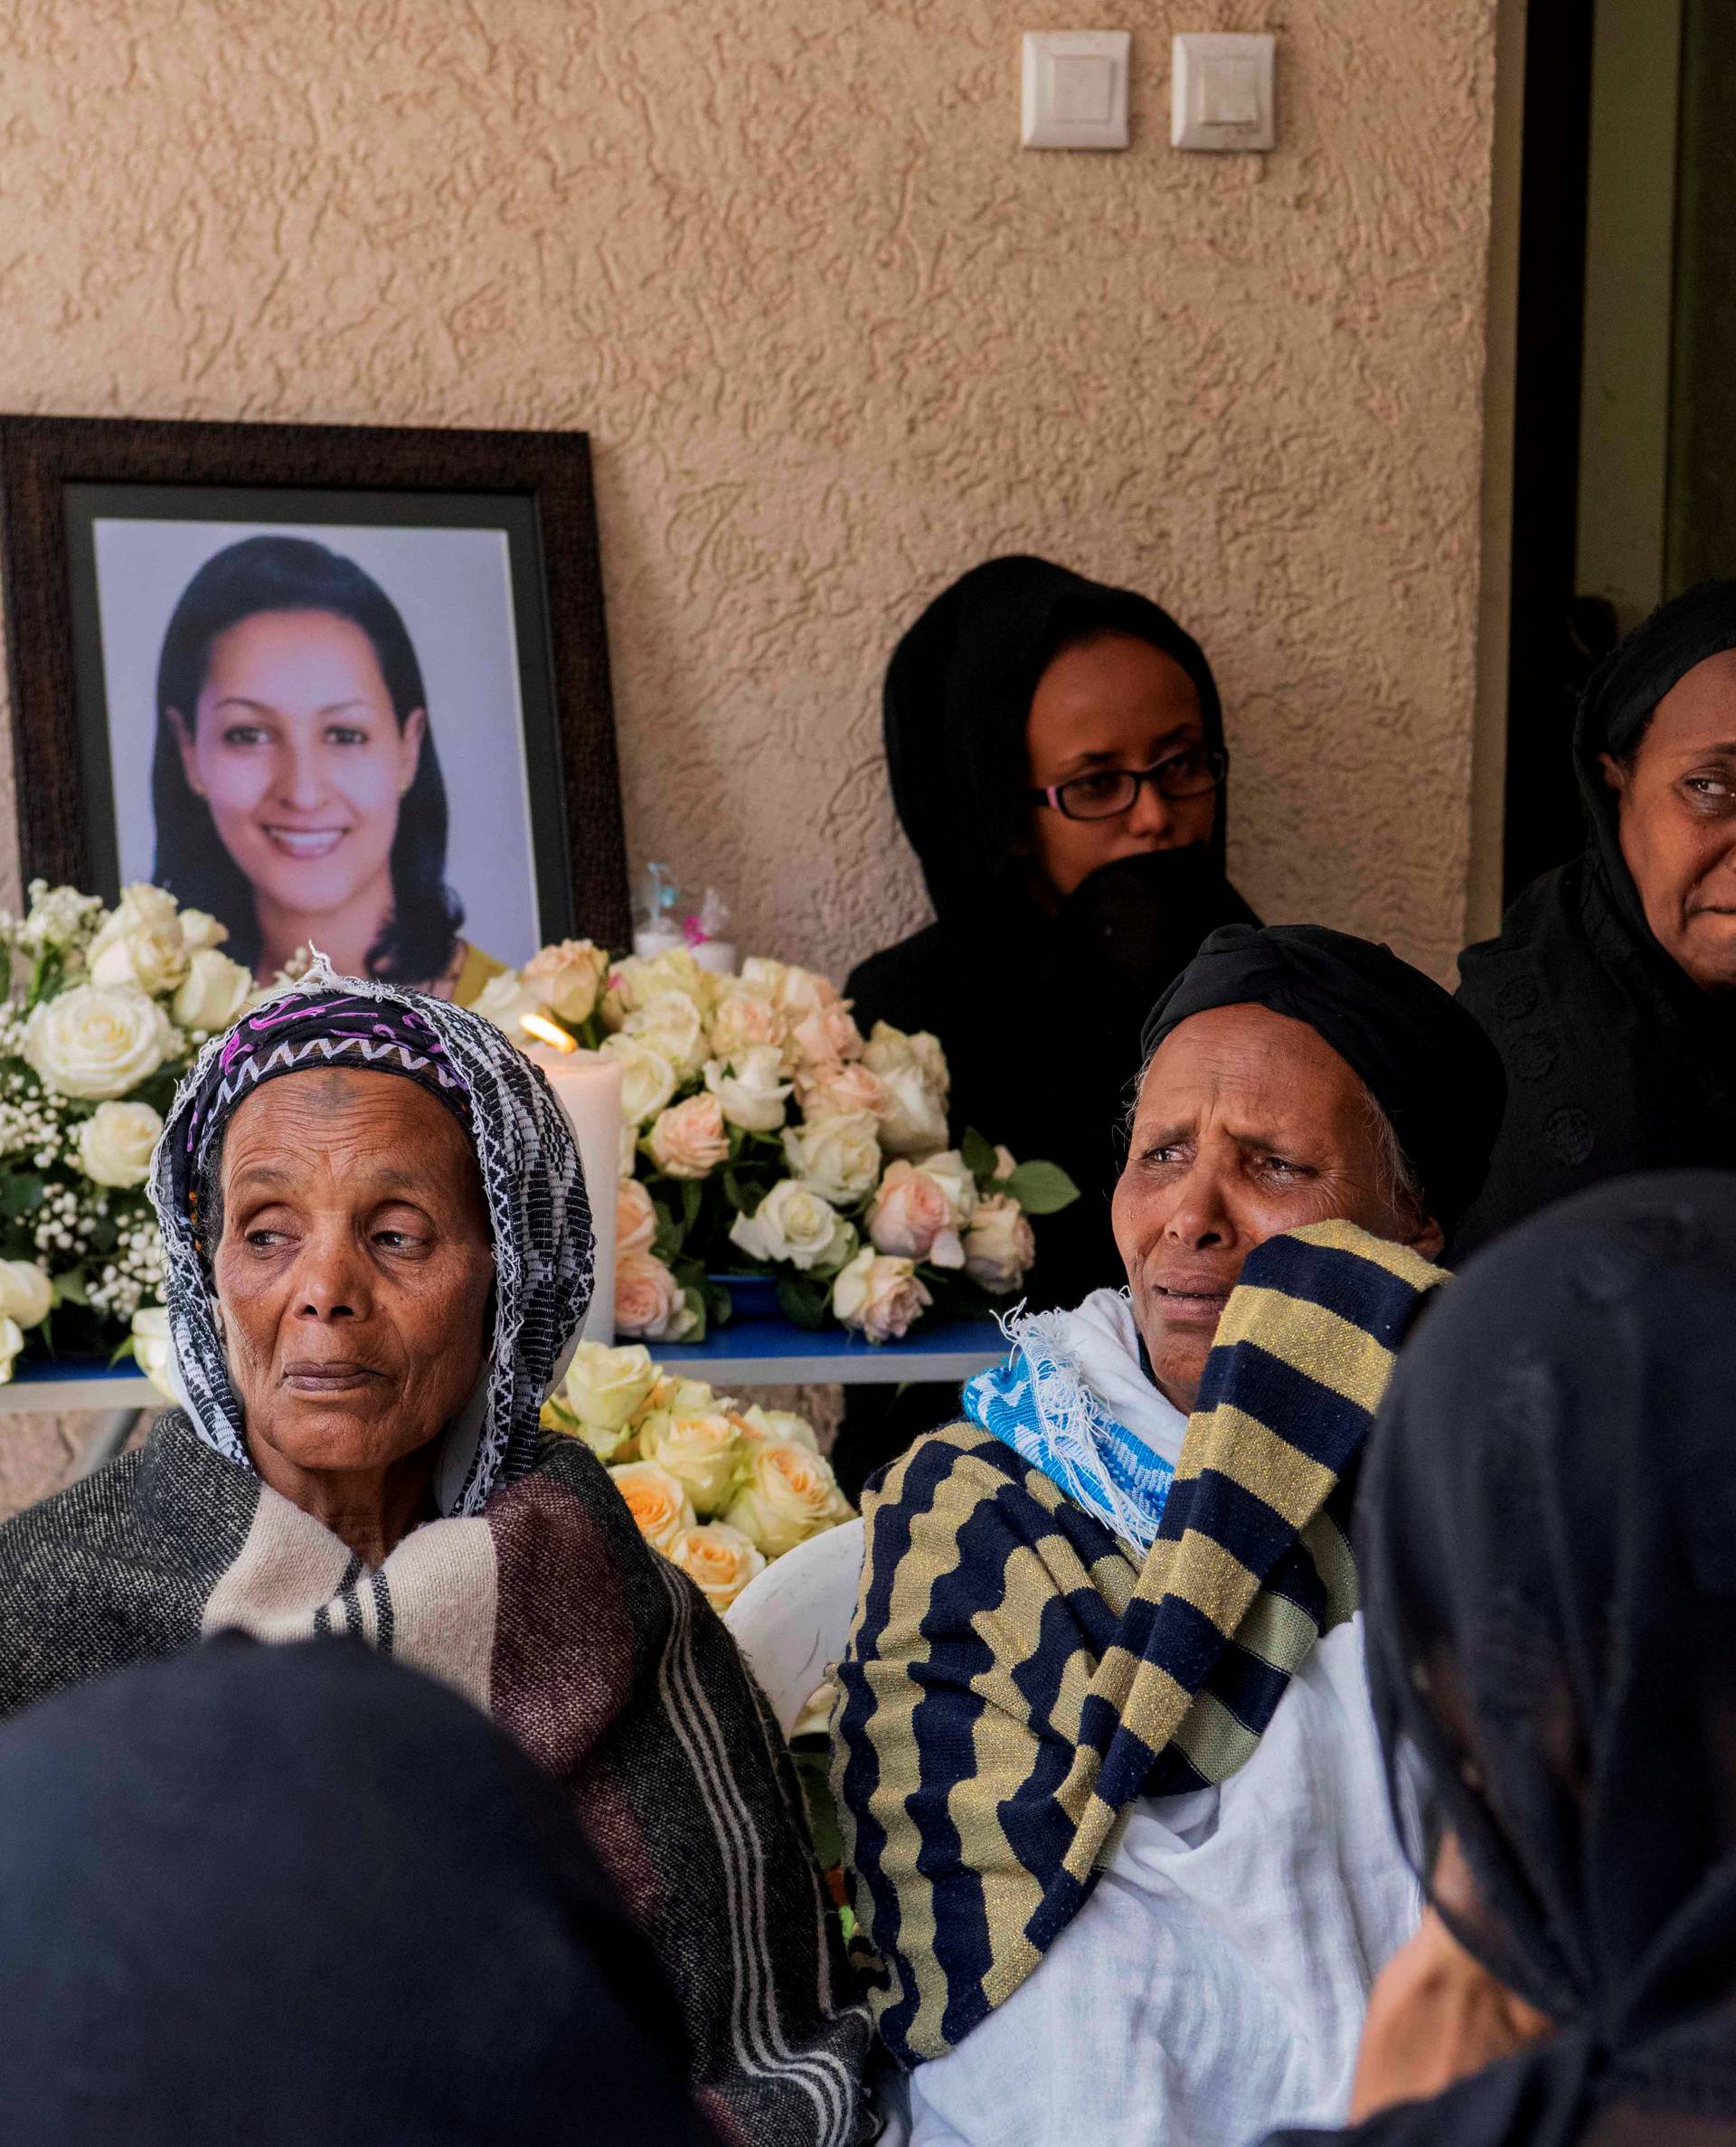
(767, 1136)
(101, 1011)
(719, 1487)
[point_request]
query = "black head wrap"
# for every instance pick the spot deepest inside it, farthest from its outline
(1546, 1539)
(1618, 703)
(958, 691)
(295, 1894)
(1617, 1061)
(1422, 1058)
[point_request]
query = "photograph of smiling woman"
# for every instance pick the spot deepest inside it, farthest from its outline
(287, 803)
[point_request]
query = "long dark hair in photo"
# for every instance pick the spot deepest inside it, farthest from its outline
(293, 574)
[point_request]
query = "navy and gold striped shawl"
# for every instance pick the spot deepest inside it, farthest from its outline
(1015, 1679)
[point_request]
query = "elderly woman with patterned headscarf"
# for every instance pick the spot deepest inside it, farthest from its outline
(1113, 1798)
(379, 1254)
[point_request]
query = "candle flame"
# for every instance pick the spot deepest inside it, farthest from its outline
(548, 1032)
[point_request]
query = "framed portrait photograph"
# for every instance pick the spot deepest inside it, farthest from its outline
(340, 687)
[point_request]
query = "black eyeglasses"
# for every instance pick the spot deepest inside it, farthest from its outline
(1109, 791)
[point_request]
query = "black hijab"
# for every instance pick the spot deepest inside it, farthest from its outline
(958, 693)
(1616, 1060)
(1072, 985)
(286, 1894)
(1547, 1547)
(1421, 1057)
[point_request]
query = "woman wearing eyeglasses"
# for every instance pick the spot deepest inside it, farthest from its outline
(1056, 755)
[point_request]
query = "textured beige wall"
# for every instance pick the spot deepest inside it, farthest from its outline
(834, 337)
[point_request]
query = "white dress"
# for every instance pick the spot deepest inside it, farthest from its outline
(1212, 1988)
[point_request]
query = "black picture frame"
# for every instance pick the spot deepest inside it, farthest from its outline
(59, 474)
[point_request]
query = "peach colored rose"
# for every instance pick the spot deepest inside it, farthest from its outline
(999, 1244)
(647, 1297)
(746, 1020)
(636, 1218)
(719, 1560)
(839, 1091)
(661, 1509)
(949, 1170)
(567, 976)
(913, 1216)
(879, 1294)
(689, 1139)
(826, 1037)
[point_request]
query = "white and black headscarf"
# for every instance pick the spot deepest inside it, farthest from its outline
(539, 1217)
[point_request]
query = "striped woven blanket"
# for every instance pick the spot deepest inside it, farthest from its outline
(550, 1613)
(1016, 1679)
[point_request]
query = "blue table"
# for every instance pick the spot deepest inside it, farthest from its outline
(770, 1352)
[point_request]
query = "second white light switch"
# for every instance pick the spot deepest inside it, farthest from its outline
(1222, 94)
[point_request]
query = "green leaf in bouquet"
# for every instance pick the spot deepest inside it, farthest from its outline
(695, 1302)
(802, 1302)
(69, 1289)
(954, 1295)
(812, 1758)
(720, 1304)
(21, 1193)
(692, 1194)
(671, 1230)
(980, 1158)
(1041, 1188)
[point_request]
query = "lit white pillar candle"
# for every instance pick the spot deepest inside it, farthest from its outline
(589, 1086)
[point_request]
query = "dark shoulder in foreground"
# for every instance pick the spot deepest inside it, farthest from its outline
(116, 1568)
(904, 985)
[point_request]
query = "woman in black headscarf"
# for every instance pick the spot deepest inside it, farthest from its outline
(1056, 755)
(1611, 990)
(285, 1894)
(1547, 1546)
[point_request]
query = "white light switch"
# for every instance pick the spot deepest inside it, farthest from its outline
(1075, 89)
(1223, 93)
